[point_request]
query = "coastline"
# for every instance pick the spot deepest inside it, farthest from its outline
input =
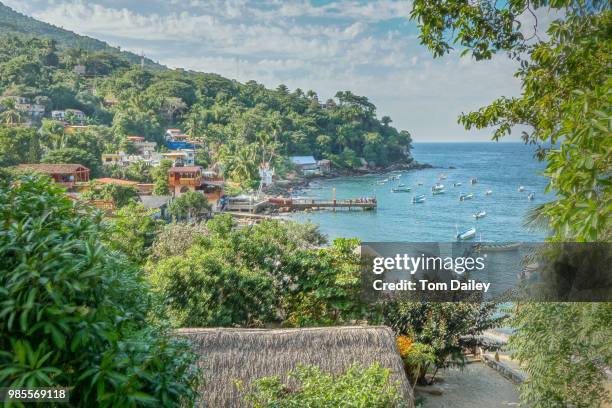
(284, 188)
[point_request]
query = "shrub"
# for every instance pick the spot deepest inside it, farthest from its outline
(72, 313)
(358, 387)
(448, 328)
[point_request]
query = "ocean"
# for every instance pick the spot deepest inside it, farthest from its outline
(500, 167)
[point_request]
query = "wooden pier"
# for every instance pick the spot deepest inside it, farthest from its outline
(309, 204)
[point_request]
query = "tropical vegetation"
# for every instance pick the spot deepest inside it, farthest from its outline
(566, 105)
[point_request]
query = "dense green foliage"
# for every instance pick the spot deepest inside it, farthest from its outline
(72, 312)
(120, 195)
(358, 387)
(445, 326)
(567, 348)
(239, 125)
(270, 272)
(566, 103)
(188, 206)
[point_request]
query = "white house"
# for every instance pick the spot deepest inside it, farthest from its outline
(184, 156)
(61, 115)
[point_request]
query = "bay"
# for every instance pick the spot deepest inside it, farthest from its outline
(499, 167)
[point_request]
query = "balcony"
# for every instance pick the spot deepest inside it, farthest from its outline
(185, 181)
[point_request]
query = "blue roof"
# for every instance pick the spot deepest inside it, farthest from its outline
(303, 160)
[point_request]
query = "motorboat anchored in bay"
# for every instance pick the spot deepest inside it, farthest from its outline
(463, 196)
(400, 190)
(480, 214)
(437, 189)
(419, 199)
(465, 234)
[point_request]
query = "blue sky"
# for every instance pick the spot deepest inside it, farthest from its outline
(369, 48)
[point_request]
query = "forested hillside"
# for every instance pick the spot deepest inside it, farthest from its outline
(14, 23)
(240, 125)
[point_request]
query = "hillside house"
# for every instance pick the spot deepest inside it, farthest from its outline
(186, 157)
(194, 178)
(144, 147)
(26, 107)
(184, 178)
(65, 174)
(123, 159)
(306, 165)
(61, 115)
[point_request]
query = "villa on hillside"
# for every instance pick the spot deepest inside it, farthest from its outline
(193, 178)
(61, 115)
(124, 159)
(144, 147)
(185, 157)
(65, 174)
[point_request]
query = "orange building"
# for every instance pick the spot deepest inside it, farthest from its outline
(193, 178)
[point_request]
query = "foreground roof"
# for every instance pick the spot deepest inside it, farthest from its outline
(230, 355)
(54, 168)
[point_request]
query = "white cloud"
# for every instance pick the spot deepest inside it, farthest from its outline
(340, 45)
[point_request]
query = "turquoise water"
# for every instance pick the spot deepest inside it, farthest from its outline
(500, 167)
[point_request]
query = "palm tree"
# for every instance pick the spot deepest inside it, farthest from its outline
(10, 115)
(52, 133)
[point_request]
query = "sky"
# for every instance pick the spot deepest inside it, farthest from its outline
(370, 48)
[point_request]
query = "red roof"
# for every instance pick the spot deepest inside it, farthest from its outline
(54, 168)
(135, 138)
(185, 169)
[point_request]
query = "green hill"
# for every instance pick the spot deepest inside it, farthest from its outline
(14, 23)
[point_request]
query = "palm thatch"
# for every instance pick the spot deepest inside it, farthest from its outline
(241, 355)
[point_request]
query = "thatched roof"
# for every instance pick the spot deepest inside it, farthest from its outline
(231, 355)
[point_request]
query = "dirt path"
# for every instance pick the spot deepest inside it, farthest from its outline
(474, 386)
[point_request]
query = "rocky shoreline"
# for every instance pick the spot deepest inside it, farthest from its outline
(284, 188)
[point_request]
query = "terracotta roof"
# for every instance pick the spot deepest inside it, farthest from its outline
(54, 168)
(109, 180)
(185, 169)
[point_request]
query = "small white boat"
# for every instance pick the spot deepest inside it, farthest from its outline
(442, 176)
(381, 182)
(488, 192)
(401, 185)
(419, 199)
(437, 189)
(400, 190)
(457, 184)
(480, 214)
(473, 180)
(521, 189)
(465, 234)
(463, 197)
(531, 196)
